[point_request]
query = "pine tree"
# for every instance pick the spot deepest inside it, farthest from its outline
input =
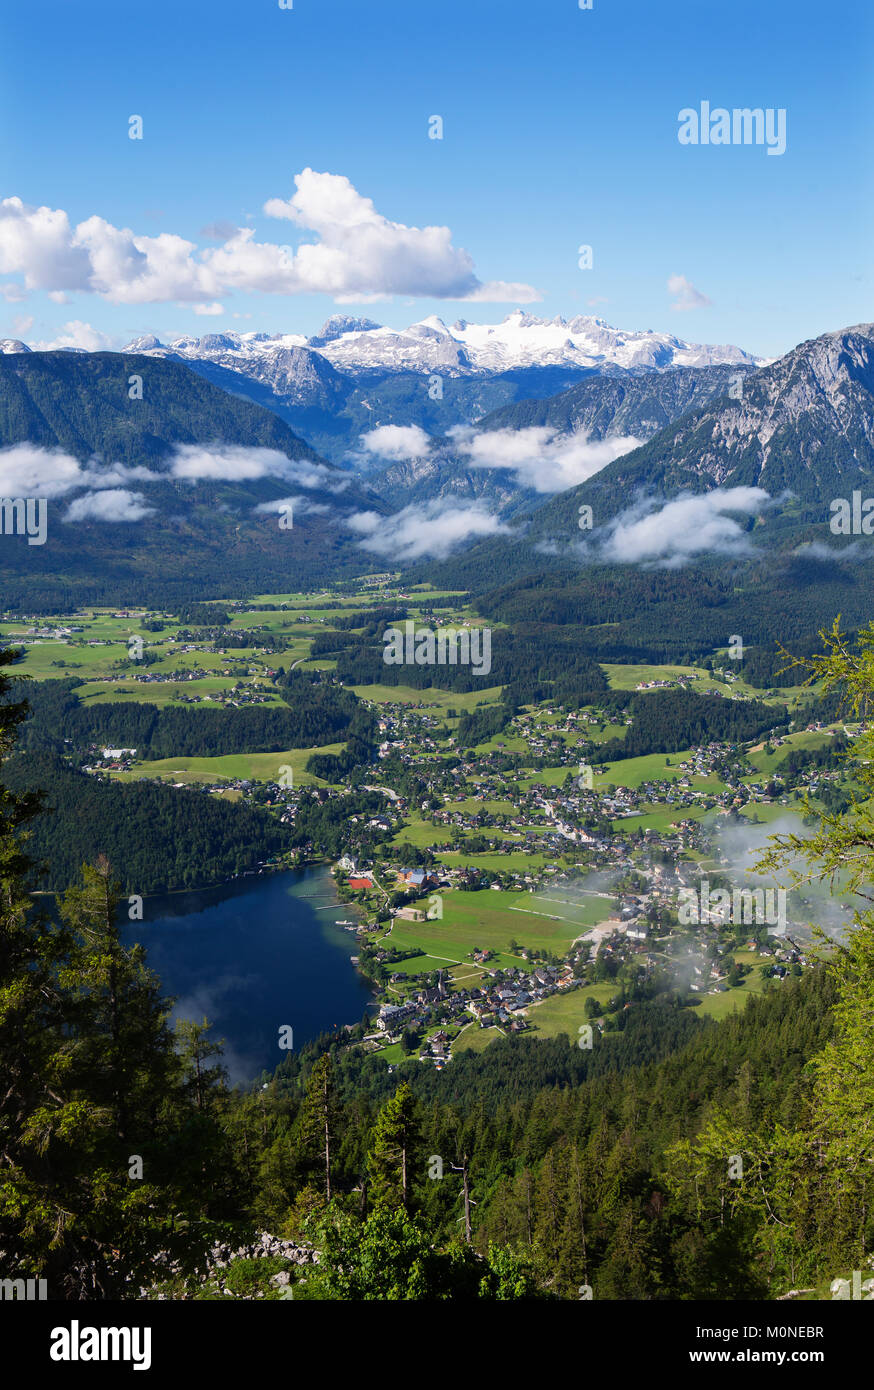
(318, 1114)
(393, 1146)
(124, 1053)
(32, 1052)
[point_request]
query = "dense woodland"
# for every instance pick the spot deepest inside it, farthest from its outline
(665, 721)
(633, 614)
(317, 713)
(160, 838)
(615, 1169)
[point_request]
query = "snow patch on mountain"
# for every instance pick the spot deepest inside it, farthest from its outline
(521, 340)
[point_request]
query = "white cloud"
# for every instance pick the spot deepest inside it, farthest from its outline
(299, 506)
(539, 457)
(116, 504)
(77, 334)
(361, 253)
(435, 528)
(27, 470)
(212, 310)
(235, 463)
(687, 297)
(396, 442)
(688, 526)
(358, 254)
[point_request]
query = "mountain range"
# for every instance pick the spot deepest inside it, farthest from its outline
(355, 375)
(718, 468)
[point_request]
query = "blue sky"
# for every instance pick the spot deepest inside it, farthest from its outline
(560, 128)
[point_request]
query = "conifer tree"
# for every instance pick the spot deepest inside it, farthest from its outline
(318, 1114)
(393, 1145)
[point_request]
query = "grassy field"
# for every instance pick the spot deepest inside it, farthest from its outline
(563, 1013)
(629, 677)
(487, 920)
(769, 762)
(443, 699)
(476, 1039)
(721, 1005)
(651, 767)
(257, 767)
(661, 819)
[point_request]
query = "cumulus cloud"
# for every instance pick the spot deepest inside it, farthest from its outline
(234, 463)
(115, 504)
(693, 524)
(539, 456)
(686, 295)
(77, 334)
(210, 309)
(434, 529)
(357, 254)
(396, 442)
(361, 252)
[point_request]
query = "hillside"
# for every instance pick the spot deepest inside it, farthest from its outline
(171, 493)
(802, 429)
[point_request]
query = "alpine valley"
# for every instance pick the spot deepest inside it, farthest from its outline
(469, 635)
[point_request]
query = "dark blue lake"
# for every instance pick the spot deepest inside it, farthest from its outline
(255, 956)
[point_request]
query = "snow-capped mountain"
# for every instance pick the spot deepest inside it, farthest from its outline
(520, 341)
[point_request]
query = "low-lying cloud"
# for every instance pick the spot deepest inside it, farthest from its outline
(539, 456)
(434, 529)
(690, 525)
(115, 504)
(396, 443)
(28, 470)
(298, 506)
(235, 463)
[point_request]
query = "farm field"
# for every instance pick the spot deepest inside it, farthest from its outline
(768, 763)
(476, 1039)
(485, 920)
(432, 695)
(257, 767)
(662, 819)
(563, 1013)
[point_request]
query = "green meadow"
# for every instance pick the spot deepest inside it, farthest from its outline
(257, 767)
(491, 920)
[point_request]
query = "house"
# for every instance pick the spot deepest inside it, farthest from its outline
(390, 1015)
(415, 878)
